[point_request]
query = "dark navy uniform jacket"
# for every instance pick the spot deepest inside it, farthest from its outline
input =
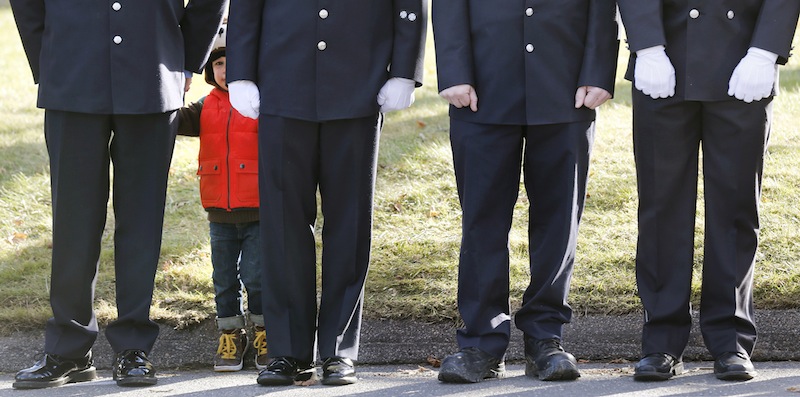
(525, 58)
(115, 57)
(705, 40)
(323, 60)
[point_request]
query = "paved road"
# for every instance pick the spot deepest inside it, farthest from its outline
(594, 338)
(774, 379)
(392, 350)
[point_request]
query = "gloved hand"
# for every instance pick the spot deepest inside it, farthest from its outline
(654, 74)
(245, 98)
(754, 76)
(396, 94)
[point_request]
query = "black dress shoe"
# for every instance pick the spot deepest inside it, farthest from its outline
(283, 371)
(53, 370)
(337, 371)
(471, 365)
(657, 366)
(547, 360)
(133, 368)
(734, 366)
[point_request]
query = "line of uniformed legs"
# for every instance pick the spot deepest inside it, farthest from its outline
(338, 160)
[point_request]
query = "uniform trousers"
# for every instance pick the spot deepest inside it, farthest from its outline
(81, 148)
(297, 158)
(488, 159)
(668, 136)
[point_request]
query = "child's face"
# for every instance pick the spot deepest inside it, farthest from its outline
(219, 72)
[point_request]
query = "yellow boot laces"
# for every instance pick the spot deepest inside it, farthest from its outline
(227, 346)
(260, 342)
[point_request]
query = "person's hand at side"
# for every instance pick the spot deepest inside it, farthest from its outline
(396, 94)
(245, 98)
(460, 96)
(591, 97)
(654, 74)
(754, 77)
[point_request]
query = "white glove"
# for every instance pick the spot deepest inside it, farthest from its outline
(245, 98)
(754, 76)
(653, 73)
(396, 94)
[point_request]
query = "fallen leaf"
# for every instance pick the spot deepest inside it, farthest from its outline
(309, 382)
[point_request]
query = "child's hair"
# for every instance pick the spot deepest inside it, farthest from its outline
(217, 52)
(209, 69)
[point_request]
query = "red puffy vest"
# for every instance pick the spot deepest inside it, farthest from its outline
(228, 156)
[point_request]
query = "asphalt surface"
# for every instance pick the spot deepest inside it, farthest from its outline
(398, 358)
(774, 379)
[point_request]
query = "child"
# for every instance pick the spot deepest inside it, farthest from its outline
(228, 169)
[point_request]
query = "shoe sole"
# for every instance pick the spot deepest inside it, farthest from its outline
(229, 368)
(275, 380)
(339, 380)
(84, 375)
(451, 376)
(565, 370)
(736, 375)
(654, 376)
(136, 381)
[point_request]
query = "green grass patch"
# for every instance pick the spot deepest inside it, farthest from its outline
(416, 234)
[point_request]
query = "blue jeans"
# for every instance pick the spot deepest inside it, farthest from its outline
(236, 258)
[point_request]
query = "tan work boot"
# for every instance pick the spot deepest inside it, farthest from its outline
(260, 344)
(230, 353)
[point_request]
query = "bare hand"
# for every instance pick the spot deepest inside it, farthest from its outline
(591, 97)
(461, 96)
